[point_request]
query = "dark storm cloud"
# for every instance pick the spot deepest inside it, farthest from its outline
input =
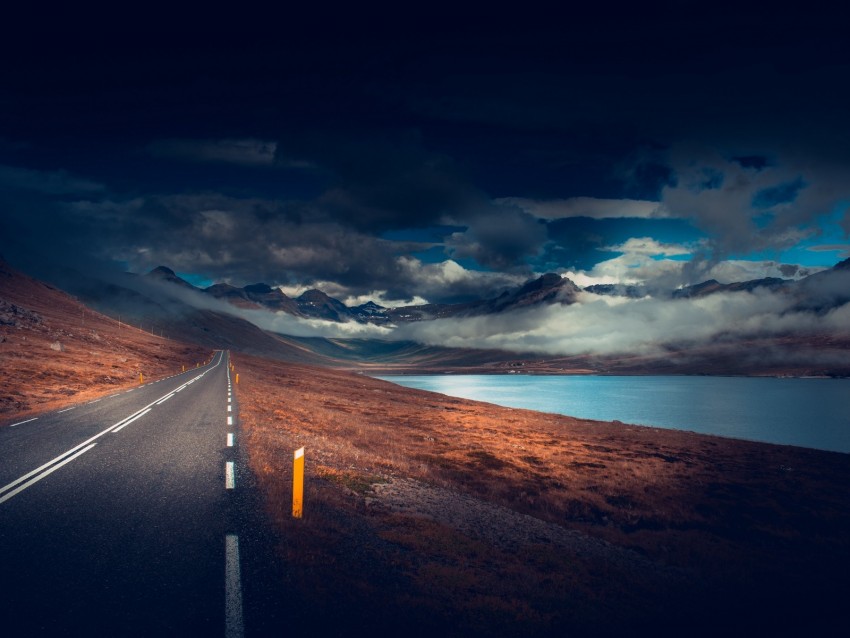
(501, 237)
(382, 178)
(746, 209)
(282, 155)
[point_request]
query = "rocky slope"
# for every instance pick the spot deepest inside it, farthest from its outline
(54, 350)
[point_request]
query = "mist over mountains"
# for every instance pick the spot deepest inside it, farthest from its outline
(549, 324)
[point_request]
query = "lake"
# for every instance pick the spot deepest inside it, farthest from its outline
(806, 412)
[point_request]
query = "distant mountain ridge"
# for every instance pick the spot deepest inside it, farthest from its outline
(820, 291)
(316, 304)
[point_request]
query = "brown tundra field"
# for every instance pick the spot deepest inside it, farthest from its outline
(430, 515)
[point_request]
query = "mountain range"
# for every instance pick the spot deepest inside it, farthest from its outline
(260, 319)
(549, 288)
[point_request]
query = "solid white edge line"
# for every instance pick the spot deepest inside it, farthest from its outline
(126, 423)
(233, 625)
(229, 477)
(22, 422)
(66, 409)
(21, 488)
(230, 439)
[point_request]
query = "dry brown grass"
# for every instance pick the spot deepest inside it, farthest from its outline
(96, 354)
(745, 521)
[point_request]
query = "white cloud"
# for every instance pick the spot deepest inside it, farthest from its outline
(380, 297)
(597, 325)
(47, 182)
(283, 323)
(587, 207)
(246, 151)
(842, 249)
(648, 246)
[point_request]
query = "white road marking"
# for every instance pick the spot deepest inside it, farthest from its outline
(66, 410)
(230, 439)
(233, 627)
(229, 408)
(95, 401)
(22, 422)
(230, 420)
(21, 488)
(166, 398)
(112, 396)
(229, 477)
(126, 423)
(75, 451)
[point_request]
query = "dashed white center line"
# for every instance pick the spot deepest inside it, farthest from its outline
(229, 408)
(229, 477)
(22, 422)
(233, 626)
(66, 410)
(230, 420)
(230, 439)
(95, 401)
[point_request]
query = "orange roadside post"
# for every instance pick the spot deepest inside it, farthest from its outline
(298, 483)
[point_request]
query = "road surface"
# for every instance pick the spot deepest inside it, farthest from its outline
(134, 515)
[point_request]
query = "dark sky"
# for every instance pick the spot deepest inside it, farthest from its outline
(432, 153)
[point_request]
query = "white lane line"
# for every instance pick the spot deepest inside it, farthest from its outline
(230, 439)
(21, 488)
(229, 477)
(230, 420)
(126, 423)
(112, 396)
(95, 401)
(166, 398)
(66, 410)
(23, 478)
(56, 460)
(22, 422)
(229, 408)
(233, 627)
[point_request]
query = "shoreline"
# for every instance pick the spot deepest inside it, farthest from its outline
(827, 444)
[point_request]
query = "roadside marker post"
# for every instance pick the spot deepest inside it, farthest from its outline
(141, 378)
(237, 378)
(298, 484)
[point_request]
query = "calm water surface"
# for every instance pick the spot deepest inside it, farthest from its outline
(807, 412)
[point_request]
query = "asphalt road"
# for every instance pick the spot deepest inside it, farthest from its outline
(134, 515)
